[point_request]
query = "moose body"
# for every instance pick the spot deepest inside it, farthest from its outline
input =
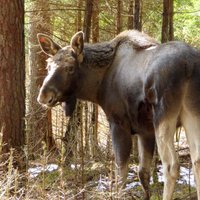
(145, 88)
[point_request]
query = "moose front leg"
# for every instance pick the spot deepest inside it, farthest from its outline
(122, 143)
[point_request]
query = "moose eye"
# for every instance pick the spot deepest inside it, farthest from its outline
(70, 69)
(70, 60)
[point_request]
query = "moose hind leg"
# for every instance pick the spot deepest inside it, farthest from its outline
(191, 124)
(146, 150)
(165, 142)
(122, 144)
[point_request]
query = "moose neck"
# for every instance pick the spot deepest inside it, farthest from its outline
(97, 59)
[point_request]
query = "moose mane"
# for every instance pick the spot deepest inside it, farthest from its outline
(101, 55)
(137, 39)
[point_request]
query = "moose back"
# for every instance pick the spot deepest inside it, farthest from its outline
(145, 88)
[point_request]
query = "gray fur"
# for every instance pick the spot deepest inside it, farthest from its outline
(144, 88)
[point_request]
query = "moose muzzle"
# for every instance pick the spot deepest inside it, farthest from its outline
(47, 97)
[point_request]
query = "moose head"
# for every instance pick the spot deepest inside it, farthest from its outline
(62, 64)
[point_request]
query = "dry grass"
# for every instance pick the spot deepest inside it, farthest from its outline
(94, 181)
(84, 175)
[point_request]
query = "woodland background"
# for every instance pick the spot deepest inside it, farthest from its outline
(80, 149)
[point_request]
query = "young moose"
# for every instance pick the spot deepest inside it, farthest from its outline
(145, 88)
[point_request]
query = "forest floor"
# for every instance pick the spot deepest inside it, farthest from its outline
(55, 183)
(48, 178)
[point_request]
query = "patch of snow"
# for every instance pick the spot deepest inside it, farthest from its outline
(186, 177)
(35, 171)
(103, 184)
(73, 166)
(132, 185)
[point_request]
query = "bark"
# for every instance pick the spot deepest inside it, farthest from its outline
(130, 13)
(137, 15)
(71, 137)
(171, 20)
(119, 18)
(39, 120)
(95, 22)
(12, 74)
(167, 21)
(88, 19)
(79, 15)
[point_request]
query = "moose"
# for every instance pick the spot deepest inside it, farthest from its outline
(144, 87)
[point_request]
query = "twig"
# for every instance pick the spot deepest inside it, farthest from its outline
(55, 9)
(182, 12)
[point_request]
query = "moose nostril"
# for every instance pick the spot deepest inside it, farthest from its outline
(44, 99)
(50, 100)
(46, 96)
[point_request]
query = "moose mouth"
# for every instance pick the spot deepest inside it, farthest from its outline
(52, 103)
(48, 102)
(68, 103)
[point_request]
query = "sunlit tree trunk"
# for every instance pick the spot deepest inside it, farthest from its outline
(12, 75)
(39, 124)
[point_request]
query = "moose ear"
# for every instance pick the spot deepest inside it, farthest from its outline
(47, 45)
(77, 44)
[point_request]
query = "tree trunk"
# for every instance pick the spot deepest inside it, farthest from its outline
(12, 74)
(137, 16)
(39, 124)
(88, 19)
(119, 18)
(167, 21)
(79, 15)
(95, 22)
(171, 21)
(130, 15)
